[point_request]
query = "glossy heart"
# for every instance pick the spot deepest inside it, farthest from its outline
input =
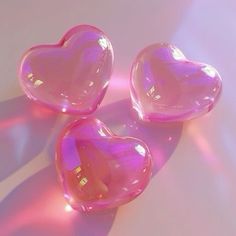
(71, 76)
(165, 86)
(99, 170)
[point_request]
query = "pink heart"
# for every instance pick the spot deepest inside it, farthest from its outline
(99, 170)
(165, 86)
(71, 76)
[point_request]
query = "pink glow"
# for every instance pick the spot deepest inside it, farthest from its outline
(165, 86)
(7, 124)
(71, 76)
(207, 152)
(99, 170)
(51, 211)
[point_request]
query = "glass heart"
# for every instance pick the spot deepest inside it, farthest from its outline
(166, 86)
(99, 170)
(71, 76)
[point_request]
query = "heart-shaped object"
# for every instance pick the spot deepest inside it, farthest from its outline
(99, 170)
(165, 86)
(71, 76)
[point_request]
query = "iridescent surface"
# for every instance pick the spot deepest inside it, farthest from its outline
(194, 193)
(71, 76)
(99, 170)
(165, 86)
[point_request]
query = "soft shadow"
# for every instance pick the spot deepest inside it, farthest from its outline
(161, 138)
(37, 207)
(24, 130)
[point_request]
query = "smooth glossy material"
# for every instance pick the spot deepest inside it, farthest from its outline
(165, 86)
(99, 170)
(71, 76)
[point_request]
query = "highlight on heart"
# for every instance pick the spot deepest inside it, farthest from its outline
(71, 76)
(97, 169)
(166, 86)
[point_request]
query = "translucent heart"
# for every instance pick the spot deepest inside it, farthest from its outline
(165, 86)
(99, 170)
(71, 76)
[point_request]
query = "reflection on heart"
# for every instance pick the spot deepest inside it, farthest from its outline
(165, 86)
(99, 170)
(71, 76)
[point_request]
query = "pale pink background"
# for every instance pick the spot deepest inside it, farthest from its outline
(195, 190)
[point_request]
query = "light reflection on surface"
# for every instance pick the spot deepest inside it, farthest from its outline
(103, 43)
(100, 131)
(140, 149)
(83, 181)
(177, 54)
(37, 83)
(91, 83)
(30, 76)
(68, 208)
(153, 92)
(209, 70)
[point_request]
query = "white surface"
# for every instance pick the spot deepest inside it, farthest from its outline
(195, 191)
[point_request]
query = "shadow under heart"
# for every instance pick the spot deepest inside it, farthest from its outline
(36, 207)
